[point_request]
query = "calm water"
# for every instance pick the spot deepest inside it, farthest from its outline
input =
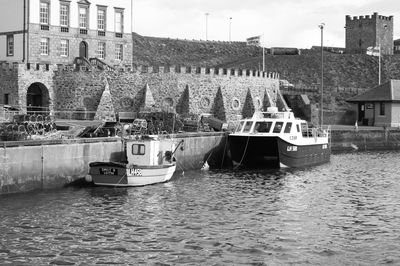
(346, 212)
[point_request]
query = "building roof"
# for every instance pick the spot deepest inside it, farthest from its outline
(387, 92)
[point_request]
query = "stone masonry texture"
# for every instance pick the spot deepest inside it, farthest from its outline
(71, 90)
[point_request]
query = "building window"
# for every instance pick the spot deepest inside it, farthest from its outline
(44, 46)
(83, 19)
(101, 19)
(10, 45)
(64, 48)
(101, 50)
(119, 51)
(119, 18)
(382, 109)
(44, 13)
(64, 15)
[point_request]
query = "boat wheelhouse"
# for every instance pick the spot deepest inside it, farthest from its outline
(278, 139)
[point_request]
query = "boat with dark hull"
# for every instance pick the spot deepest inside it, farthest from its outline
(276, 139)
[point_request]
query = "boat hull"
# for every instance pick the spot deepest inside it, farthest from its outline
(123, 175)
(273, 152)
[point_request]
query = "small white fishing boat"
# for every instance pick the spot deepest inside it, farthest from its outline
(149, 159)
(278, 139)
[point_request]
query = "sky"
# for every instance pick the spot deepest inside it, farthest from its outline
(282, 23)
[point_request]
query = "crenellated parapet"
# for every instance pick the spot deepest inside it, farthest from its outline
(143, 69)
(211, 71)
(7, 68)
(374, 16)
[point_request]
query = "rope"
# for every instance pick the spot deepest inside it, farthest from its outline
(208, 157)
(244, 153)
(183, 172)
(223, 156)
(212, 153)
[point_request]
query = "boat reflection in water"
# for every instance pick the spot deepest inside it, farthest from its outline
(278, 139)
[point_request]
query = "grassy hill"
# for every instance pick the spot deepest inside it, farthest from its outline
(344, 74)
(166, 51)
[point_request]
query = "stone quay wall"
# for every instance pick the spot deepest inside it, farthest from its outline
(58, 163)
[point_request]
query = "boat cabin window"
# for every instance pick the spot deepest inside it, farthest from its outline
(298, 128)
(138, 149)
(288, 127)
(239, 127)
(262, 127)
(278, 127)
(274, 115)
(247, 126)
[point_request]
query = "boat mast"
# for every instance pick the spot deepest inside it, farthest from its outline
(321, 26)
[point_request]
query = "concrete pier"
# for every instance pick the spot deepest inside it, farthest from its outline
(53, 164)
(365, 139)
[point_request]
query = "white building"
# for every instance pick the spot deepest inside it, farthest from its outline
(58, 31)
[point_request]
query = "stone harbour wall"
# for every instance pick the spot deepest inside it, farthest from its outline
(185, 90)
(228, 94)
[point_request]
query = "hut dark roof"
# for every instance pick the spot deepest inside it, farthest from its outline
(387, 92)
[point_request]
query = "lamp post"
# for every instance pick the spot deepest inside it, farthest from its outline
(207, 25)
(379, 64)
(263, 52)
(321, 26)
(379, 59)
(230, 22)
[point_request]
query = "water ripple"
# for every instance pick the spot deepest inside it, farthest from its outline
(345, 212)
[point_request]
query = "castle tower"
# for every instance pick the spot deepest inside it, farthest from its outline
(366, 31)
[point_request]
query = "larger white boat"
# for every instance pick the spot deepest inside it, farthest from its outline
(278, 139)
(147, 160)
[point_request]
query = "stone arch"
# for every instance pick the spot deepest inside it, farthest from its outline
(37, 98)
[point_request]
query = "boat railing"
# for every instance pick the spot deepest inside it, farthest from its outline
(317, 132)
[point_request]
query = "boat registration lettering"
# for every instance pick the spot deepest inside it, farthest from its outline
(291, 148)
(293, 137)
(135, 171)
(325, 146)
(108, 171)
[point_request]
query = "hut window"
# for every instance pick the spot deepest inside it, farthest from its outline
(382, 109)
